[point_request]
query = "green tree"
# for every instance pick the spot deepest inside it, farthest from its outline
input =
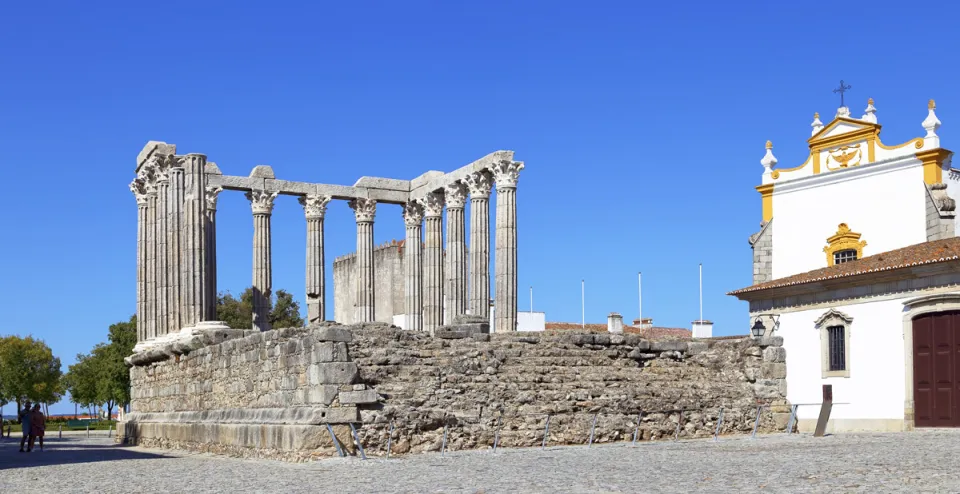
(29, 371)
(238, 313)
(101, 377)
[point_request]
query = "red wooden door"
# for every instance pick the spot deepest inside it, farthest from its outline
(936, 370)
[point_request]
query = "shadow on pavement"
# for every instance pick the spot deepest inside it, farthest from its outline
(66, 451)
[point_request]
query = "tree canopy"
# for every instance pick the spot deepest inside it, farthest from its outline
(28, 371)
(101, 377)
(238, 313)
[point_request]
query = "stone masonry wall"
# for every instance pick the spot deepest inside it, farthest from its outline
(388, 277)
(762, 245)
(272, 394)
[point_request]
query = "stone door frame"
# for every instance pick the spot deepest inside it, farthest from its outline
(912, 308)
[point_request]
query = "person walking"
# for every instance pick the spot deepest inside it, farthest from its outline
(24, 416)
(38, 424)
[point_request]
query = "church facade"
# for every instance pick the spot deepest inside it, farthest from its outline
(857, 267)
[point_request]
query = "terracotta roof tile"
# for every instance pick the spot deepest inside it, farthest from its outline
(914, 255)
(654, 332)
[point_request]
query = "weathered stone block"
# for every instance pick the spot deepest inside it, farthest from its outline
(668, 346)
(331, 334)
(332, 373)
(773, 370)
(775, 354)
(359, 397)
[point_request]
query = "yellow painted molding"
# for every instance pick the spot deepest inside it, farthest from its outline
(766, 198)
(776, 173)
(844, 239)
(933, 164)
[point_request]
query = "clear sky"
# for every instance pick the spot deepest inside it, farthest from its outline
(641, 124)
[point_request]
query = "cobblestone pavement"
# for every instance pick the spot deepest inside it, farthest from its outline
(927, 461)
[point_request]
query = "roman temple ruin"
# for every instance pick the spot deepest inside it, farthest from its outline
(177, 234)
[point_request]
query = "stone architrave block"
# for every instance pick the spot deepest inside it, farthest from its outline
(775, 354)
(332, 373)
(359, 397)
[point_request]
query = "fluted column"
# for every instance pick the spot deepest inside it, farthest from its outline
(210, 310)
(479, 184)
(139, 189)
(162, 254)
(261, 202)
(193, 283)
(365, 210)
(174, 245)
(151, 253)
(455, 270)
(433, 262)
(506, 174)
(314, 208)
(413, 267)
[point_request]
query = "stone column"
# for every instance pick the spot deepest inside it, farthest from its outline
(210, 310)
(139, 189)
(162, 254)
(314, 208)
(261, 202)
(413, 267)
(479, 184)
(433, 262)
(506, 174)
(365, 210)
(174, 245)
(151, 253)
(456, 254)
(193, 284)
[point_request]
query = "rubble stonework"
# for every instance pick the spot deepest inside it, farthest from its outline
(271, 394)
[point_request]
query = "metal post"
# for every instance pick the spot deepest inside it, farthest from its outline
(443, 446)
(88, 429)
(716, 433)
(336, 444)
(592, 429)
(363, 456)
(825, 409)
(60, 432)
(756, 423)
(676, 436)
(496, 435)
(546, 433)
(636, 430)
(793, 416)
(389, 439)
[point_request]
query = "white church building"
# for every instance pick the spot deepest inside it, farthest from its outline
(856, 265)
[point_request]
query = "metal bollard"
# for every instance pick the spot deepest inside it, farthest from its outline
(756, 423)
(443, 447)
(496, 435)
(593, 428)
(546, 433)
(336, 443)
(676, 435)
(60, 432)
(363, 455)
(716, 433)
(389, 439)
(88, 429)
(636, 430)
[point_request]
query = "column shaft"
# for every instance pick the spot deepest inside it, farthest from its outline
(210, 252)
(193, 284)
(505, 291)
(365, 210)
(456, 254)
(175, 248)
(314, 208)
(480, 184)
(163, 300)
(138, 187)
(413, 267)
(433, 263)
(261, 202)
(151, 271)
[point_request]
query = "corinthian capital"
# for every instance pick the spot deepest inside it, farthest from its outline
(432, 204)
(506, 173)
(455, 195)
(479, 184)
(211, 196)
(314, 205)
(412, 213)
(139, 189)
(261, 201)
(364, 209)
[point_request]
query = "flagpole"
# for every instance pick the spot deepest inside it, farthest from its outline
(640, 298)
(701, 293)
(583, 305)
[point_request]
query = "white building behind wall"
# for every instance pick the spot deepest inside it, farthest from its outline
(857, 267)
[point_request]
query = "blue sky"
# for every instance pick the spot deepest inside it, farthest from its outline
(642, 126)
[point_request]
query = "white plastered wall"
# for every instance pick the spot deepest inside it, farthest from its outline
(885, 203)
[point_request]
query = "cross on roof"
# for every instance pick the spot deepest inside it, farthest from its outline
(842, 89)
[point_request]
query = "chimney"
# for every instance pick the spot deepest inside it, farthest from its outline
(702, 329)
(645, 323)
(614, 323)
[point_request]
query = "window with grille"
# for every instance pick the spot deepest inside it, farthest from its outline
(843, 256)
(836, 347)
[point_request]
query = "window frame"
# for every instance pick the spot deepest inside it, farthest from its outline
(834, 319)
(839, 258)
